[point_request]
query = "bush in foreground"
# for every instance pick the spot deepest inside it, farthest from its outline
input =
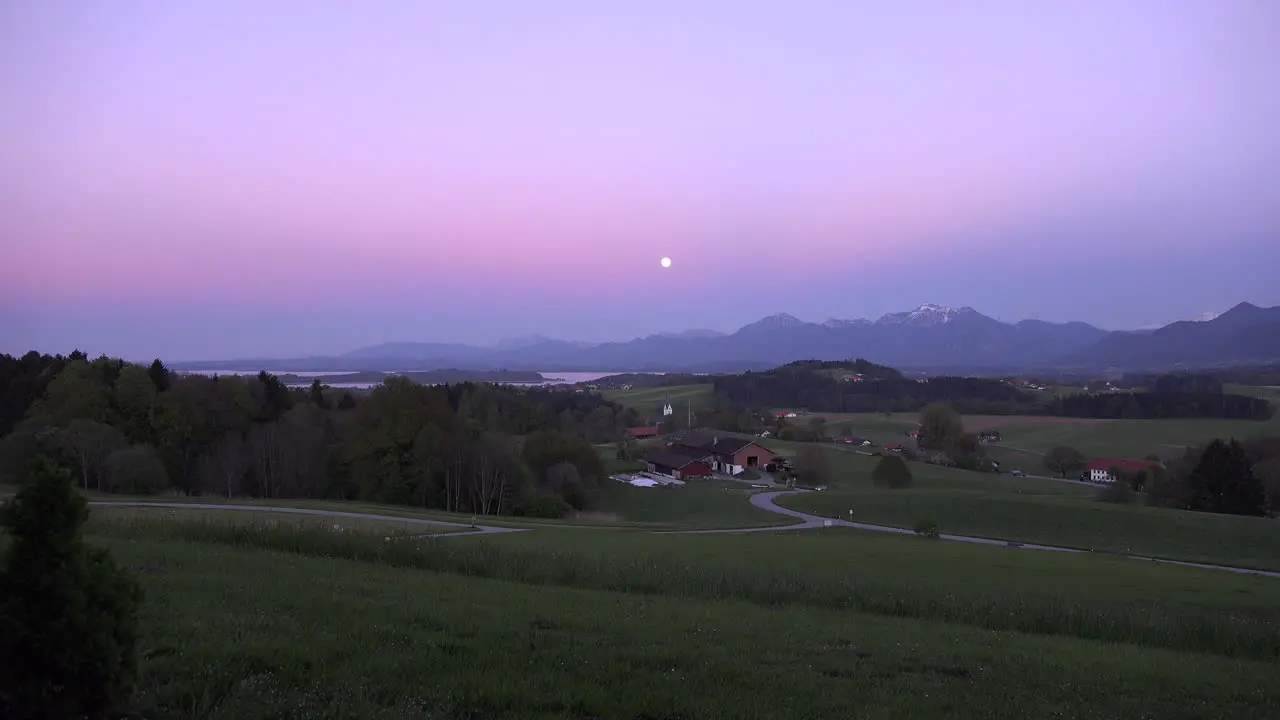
(68, 615)
(928, 529)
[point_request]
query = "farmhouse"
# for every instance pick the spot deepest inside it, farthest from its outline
(645, 431)
(1099, 469)
(677, 463)
(726, 454)
(989, 436)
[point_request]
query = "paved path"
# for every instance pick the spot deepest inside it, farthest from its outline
(765, 501)
(471, 529)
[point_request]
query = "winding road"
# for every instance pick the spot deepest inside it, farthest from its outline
(765, 501)
(762, 500)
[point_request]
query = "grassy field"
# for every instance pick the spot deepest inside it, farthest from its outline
(296, 622)
(1107, 438)
(649, 401)
(699, 504)
(1266, 392)
(1041, 511)
(696, 505)
(267, 520)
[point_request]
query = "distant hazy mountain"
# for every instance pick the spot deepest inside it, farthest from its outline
(1245, 334)
(416, 350)
(528, 341)
(930, 336)
(684, 334)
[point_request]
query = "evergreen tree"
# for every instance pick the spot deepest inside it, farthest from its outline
(316, 395)
(891, 472)
(68, 615)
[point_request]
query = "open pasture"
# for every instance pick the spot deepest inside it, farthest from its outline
(1039, 434)
(649, 401)
(264, 520)
(246, 633)
(1038, 510)
(699, 504)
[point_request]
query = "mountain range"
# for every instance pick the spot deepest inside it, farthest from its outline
(930, 336)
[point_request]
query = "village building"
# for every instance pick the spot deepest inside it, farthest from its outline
(1099, 469)
(676, 463)
(727, 455)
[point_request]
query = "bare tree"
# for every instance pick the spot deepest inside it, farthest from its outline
(265, 451)
(491, 460)
(224, 466)
(90, 442)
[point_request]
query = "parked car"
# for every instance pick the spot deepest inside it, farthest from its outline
(1018, 473)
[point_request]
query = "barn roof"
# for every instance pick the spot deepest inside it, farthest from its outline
(1126, 464)
(713, 444)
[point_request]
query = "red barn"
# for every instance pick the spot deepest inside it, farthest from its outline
(645, 431)
(677, 464)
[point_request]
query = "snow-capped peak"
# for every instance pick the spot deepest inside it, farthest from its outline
(1205, 316)
(927, 314)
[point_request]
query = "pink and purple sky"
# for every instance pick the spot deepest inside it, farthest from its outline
(216, 179)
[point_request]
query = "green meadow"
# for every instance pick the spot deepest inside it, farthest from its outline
(246, 619)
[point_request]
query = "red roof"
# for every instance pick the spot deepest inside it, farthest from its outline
(1125, 464)
(644, 431)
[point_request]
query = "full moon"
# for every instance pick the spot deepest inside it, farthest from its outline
(666, 262)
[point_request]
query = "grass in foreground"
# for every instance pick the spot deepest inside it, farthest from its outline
(1095, 597)
(246, 634)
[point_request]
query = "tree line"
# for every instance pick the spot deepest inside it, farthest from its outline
(821, 387)
(477, 448)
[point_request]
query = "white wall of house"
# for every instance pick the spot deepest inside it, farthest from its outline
(1100, 476)
(726, 468)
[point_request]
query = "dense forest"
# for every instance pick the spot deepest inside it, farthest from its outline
(467, 447)
(824, 387)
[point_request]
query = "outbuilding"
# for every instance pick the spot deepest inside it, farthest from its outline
(677, 464)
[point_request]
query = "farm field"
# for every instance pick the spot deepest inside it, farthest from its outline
(1266, 392)
(700, 504)
(1043, 511)
(267, 520)
(1106, 438)
(817, 624)
(649, 401)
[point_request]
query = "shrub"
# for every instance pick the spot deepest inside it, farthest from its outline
(891, 472)
(68, 615)
(927, 528)
(545, 506)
